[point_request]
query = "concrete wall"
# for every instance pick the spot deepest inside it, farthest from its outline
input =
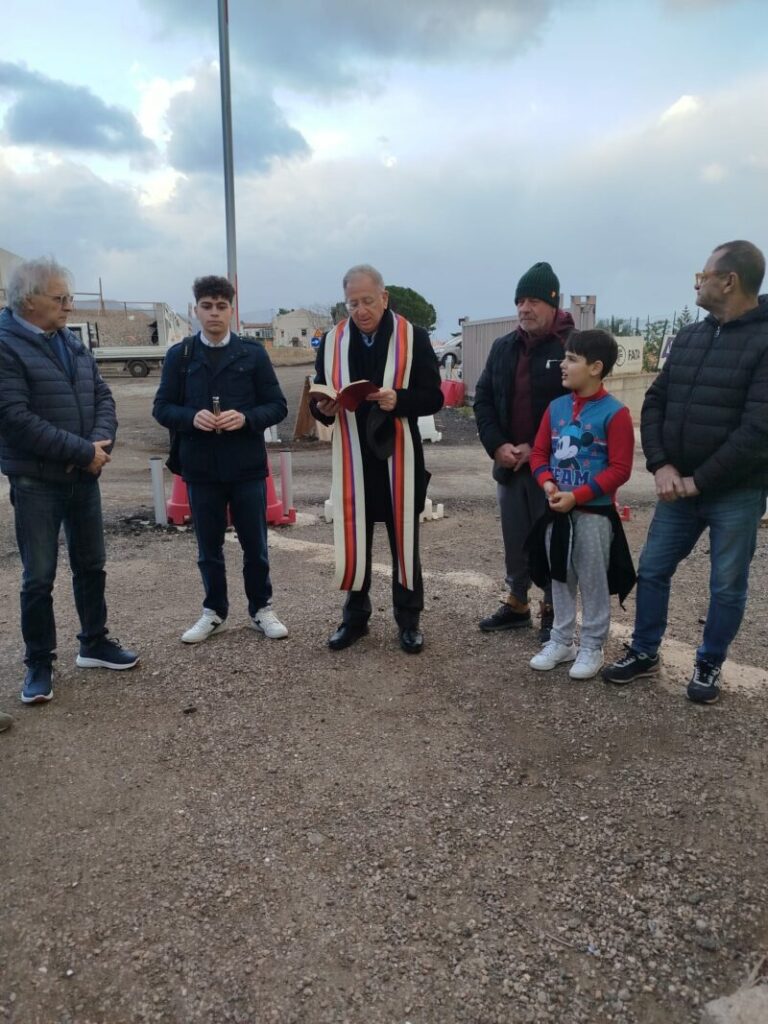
(8, 261)
(296, 329)
(630, 389)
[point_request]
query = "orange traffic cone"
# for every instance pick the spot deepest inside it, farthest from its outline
(178, 509)
(179, 512)
(275, 514)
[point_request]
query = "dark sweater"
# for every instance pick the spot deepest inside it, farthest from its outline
(499, 388)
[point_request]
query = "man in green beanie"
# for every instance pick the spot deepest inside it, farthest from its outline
(521, 377)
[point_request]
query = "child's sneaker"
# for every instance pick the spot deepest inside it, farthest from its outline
(552, 654)
(588, 663)
(704, 687)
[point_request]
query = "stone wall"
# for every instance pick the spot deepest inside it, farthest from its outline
(118, 327)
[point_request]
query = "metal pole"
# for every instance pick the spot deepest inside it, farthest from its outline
(229, 167)
(286, 481)
(158, 491)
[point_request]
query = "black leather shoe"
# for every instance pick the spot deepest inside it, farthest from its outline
(345, 636)
(411, 641)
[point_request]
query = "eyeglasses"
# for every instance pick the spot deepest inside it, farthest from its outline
(368, 302)
(63, 300)
(704, 275)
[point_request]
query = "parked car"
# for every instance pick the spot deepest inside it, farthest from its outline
(450, 354)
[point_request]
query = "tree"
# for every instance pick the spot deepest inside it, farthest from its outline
(339, 312)
(654, 334)
(412, 306)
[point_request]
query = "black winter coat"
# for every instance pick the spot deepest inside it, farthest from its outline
(494, 390)
(49, 415)
(707, 411)
(244, 380)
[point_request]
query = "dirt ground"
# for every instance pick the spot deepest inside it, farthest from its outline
(257, 831)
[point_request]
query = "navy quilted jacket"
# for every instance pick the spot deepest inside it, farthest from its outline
(707, 411)
(48, 415)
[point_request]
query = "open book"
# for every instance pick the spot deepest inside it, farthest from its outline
(350, 396)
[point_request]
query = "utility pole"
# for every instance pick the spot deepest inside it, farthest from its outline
(229, 167)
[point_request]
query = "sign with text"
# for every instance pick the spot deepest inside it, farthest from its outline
(630, 356)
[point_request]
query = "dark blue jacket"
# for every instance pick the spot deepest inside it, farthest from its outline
(244, 380)
(49, 415)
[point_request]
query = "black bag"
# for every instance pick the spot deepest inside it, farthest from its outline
(173, 462)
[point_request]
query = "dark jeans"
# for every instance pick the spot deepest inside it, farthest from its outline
(407, 603)
(41, 508)
(247, 502)
(733, 519)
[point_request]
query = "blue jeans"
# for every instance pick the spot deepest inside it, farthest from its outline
(733, 519)
(247, 503)
(41, 508)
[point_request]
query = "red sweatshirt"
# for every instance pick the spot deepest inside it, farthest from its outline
(621, 450)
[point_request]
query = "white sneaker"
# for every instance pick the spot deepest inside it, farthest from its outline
(268, 623)
(551, 654)
(587, 664)
(209, 622)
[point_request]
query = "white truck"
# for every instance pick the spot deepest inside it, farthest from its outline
(138, 360)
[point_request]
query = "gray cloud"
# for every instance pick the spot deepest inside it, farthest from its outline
(332, 43)
(47, 112)
(630, 220)
(261, 132)
(71, 212)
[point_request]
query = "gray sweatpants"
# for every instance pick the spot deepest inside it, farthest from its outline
(588, 572)
(521, 503)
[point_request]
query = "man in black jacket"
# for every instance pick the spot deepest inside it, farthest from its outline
(521, 377)
(378, 459)
(219, 393)
(57, 428)
(705, 436)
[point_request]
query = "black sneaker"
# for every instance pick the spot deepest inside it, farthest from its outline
(505, 617)
(106, 653)
(704, 687)
(633, 665)
(546, 622)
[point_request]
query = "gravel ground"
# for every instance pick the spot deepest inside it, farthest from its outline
(256, 831)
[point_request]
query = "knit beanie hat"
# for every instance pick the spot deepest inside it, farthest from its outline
(540, 282)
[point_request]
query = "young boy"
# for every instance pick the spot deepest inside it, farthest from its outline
(581, 456)
(219, 393)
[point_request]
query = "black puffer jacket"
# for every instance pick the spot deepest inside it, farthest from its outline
(707, 411)
(495, 386)
(49, 417)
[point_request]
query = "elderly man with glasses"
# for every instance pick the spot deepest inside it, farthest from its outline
(378, 460)
(57, 428)
(705, 437)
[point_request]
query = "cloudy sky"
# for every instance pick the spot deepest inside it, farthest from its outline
(450, 142)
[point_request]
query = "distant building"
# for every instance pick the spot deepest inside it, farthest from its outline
(8, 261)
(478, 336)
(260, 331)
(296, 328)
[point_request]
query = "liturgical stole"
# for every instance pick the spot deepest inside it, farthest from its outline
(348, 489)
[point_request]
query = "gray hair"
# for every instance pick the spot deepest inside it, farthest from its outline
(368, 270)
(31, 278)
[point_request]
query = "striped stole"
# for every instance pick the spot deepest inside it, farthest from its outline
(348, 488)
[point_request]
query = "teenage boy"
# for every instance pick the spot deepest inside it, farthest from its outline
(219, 393)
(582, 454)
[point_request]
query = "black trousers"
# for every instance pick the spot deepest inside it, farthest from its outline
(407, 603)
